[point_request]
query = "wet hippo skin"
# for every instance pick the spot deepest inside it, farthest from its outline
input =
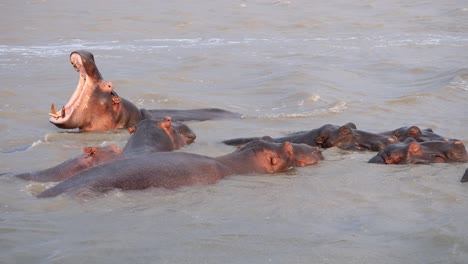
(95, 105)
(147, 136)
(90, 157)
(327, 136)
(420, 135)
(412, 152)
(175, 169)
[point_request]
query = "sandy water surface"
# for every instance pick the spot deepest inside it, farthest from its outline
(287, 66)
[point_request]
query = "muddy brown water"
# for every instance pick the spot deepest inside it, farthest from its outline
(287, 66)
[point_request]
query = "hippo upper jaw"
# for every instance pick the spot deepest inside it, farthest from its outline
(89, 83)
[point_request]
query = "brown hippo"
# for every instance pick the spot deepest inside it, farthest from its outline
(175, 169)
(304, 154)
(465, 176)
(327, 136)
(349, 138)
(154, 136)
(96, 106)
(410, 152)
(415, 132)
(146, 137)
(313, 137)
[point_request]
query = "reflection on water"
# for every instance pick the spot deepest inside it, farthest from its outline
(287, 66)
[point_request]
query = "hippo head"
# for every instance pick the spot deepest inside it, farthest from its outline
(152, 136)
(305, 155)
(93, 105)
(411, 151)
(393, 154)
(415, 132)
(349, 138)
(266, 157)
(455, 151)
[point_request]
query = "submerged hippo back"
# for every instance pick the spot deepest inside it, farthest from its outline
(163, 169)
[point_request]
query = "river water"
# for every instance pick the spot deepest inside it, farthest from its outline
(287, 66)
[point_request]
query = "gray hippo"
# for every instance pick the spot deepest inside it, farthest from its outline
(176, 169)
(420, 135)
(327, 136)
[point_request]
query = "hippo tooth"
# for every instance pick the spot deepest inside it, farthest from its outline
(62, 113)
(53, 112)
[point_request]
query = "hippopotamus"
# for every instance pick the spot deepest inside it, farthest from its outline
(420, 135)
(412, 152)
(349, 138)
(147, 136)
(154, 136)
(327, 136)
(176, 169)
(304, 155)
(314, 137)
(95, 105)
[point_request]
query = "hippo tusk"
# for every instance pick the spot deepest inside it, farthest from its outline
(54, 113)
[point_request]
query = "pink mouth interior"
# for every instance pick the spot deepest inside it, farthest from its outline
(77, 96)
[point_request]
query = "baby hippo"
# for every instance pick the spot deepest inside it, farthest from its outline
(175, 169)
(410, 152)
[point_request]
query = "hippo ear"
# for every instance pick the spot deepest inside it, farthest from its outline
(345, 130)
(267, 138)
(90, 150)
(414, 131)
(414, 147)
(145, 113)
(321, 138)
(132, 129)
(351, 125)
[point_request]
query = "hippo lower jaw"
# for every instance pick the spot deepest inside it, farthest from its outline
(63, 118)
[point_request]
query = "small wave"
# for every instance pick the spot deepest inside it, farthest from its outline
(337, 107)
(460, 81)
(344, 41)
(21, 147)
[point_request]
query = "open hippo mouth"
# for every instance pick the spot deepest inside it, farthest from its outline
(83, 62)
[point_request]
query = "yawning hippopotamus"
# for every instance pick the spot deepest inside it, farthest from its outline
(175, 169)
(327, 136)
(412, 152)
(96, 106)
(147, 136)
